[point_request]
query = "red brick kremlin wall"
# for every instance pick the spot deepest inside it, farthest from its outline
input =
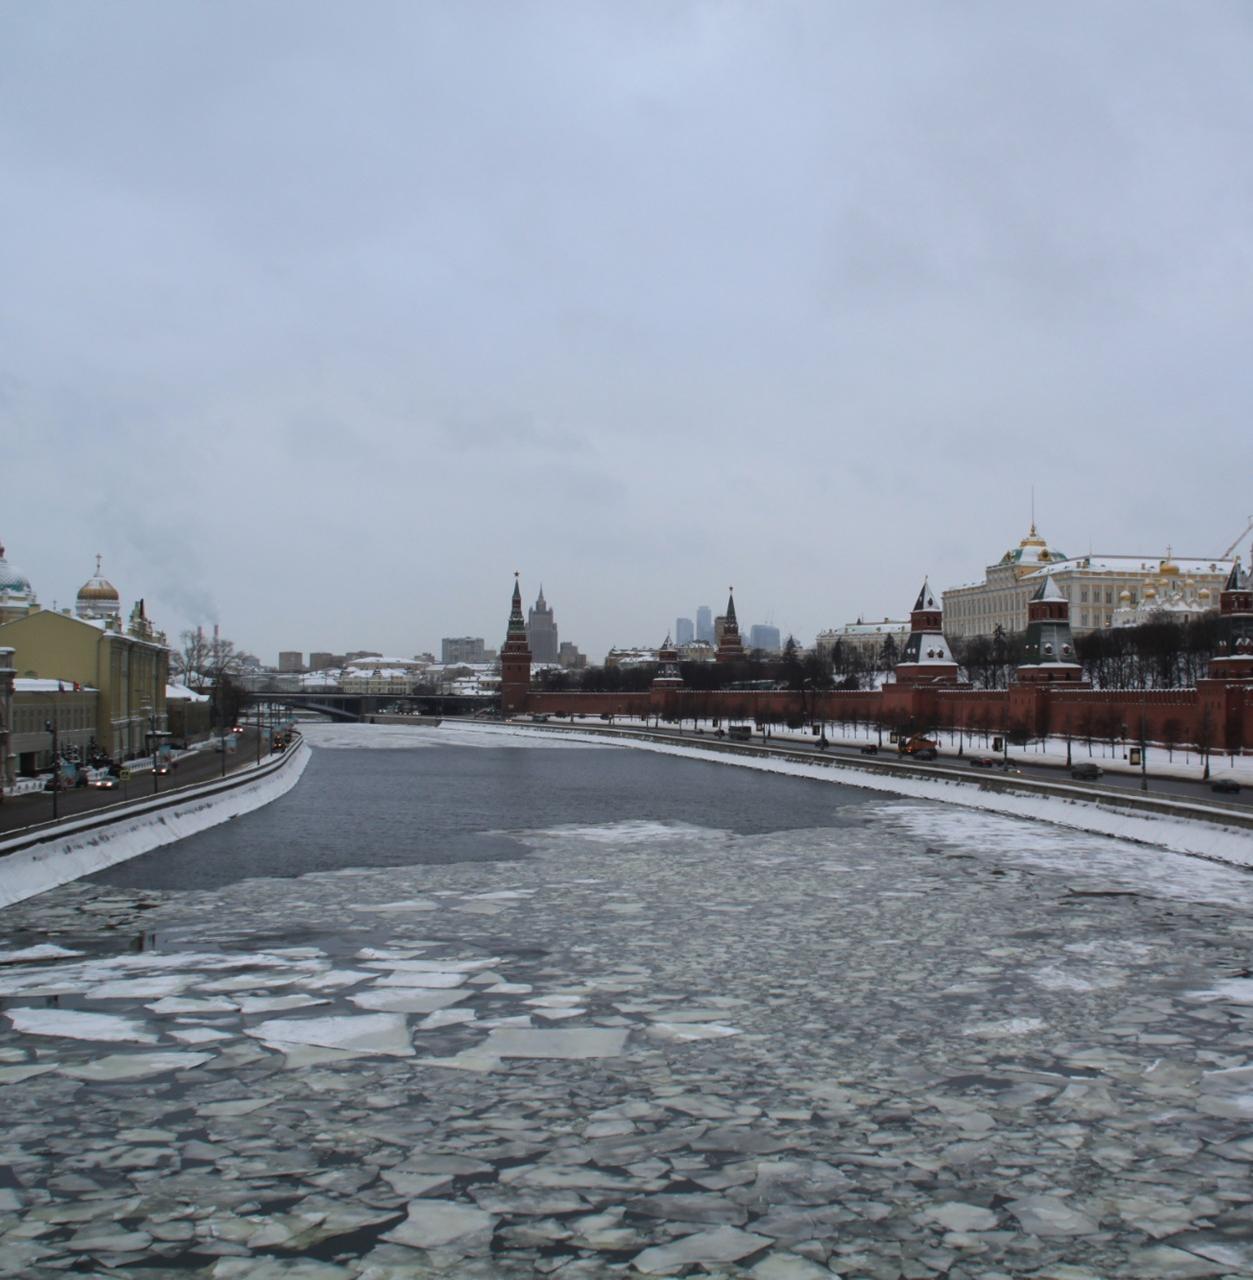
(1217, 713)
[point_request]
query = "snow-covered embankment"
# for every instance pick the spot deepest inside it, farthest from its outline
(100, 840)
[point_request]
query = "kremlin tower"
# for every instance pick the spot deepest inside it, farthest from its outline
(926, 658)
(730, 646)
(1050, 648)
(515, 659)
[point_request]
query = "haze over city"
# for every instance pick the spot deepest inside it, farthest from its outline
(320, 321)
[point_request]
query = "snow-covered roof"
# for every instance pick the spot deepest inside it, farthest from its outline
(1193, 566)
(41, 684)
(181, 693)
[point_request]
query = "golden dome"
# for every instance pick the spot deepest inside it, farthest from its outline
(97, 587)
(1168, 566)
(1150, 591)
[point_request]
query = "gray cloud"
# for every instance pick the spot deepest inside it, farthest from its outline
(335, 315)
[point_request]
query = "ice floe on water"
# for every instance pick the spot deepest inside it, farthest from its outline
(905, 1046)
(1141, 867)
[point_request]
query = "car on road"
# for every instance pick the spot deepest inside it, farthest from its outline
(1225, 786)
(1086, 772)
(161, 769)
(870, 749)
(106, 782)
(983, 762)
(923, 753)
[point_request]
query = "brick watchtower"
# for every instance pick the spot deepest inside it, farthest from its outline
(926, 658)
(515, 659)
(730, 646)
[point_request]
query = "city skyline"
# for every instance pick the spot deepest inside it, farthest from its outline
(323, 333)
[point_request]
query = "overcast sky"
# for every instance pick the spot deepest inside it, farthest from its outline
(319, 320)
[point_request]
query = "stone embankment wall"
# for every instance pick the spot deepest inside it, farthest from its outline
(58, 853)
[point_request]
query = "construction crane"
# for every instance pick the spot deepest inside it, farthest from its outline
(1248, 528)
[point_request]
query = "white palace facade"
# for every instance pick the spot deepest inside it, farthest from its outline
(1103, 590)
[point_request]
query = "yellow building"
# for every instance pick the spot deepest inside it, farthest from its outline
(129, 672)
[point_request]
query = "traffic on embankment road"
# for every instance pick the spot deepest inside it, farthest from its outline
(34, 809)
(949, 764)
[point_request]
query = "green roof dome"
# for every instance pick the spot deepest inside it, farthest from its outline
(12, 581)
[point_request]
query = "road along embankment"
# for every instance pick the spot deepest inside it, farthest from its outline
(1220, 833)
(37, 861)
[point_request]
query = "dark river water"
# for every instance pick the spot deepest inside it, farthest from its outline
(453, 804)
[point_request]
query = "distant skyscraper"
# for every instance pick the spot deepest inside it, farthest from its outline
(705, 624)
(291, 660)
(764, 637)
(541, 630)
(684, 632)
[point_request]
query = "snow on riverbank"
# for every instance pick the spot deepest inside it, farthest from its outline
(60, 860)
(1199, 838)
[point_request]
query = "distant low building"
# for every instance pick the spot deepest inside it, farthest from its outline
(697, 651)
(320, 661)
(630, 657)
(461, 649)
(38, 703)
(291, 661)
(864, 638)
(568, 656)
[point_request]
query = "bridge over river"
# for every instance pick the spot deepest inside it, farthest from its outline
(360, 706)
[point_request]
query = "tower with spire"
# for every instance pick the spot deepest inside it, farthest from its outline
(515, 659)
(730, 645)
(926, 658)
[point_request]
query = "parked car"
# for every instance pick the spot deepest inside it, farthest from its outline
(1086, 772)
(1225, 786)
(983, 762)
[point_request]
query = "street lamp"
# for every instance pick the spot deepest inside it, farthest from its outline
(50, 726)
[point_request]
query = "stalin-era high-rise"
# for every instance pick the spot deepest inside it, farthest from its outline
(541, 631)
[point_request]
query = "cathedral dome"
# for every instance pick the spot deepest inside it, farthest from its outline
(97, 596)
(13, 582)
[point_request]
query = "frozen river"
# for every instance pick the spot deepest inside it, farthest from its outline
(488, 1008)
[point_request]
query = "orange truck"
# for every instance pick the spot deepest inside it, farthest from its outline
(919, 746)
